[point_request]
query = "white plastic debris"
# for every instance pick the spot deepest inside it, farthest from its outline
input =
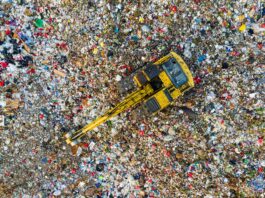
(2, 120)
(118, 78)
(57, 193)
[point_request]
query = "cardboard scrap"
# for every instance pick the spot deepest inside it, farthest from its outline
(12, 104)
(2, 120)
(59, 73)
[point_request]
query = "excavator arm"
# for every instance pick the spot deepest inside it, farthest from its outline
(129, 102)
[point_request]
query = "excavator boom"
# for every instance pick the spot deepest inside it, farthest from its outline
(130, 101)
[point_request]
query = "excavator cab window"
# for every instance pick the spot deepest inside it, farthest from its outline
(175, 72)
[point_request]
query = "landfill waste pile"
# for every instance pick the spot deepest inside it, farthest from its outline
(60, 64)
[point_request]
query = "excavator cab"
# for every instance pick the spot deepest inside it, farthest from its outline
(169, 77)
(158, 85)
(175, 73)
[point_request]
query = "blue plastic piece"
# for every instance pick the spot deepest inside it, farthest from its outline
(116, 30)
(258, 183)
(98, 185)
(202, 58)
(44, 160)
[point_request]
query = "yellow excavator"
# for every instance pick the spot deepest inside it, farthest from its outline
(158, 85)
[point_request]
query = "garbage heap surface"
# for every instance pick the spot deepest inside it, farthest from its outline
(60, 64)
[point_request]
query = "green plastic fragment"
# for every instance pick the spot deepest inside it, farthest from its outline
(39, 23)
(109, 123)
(245, 161)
